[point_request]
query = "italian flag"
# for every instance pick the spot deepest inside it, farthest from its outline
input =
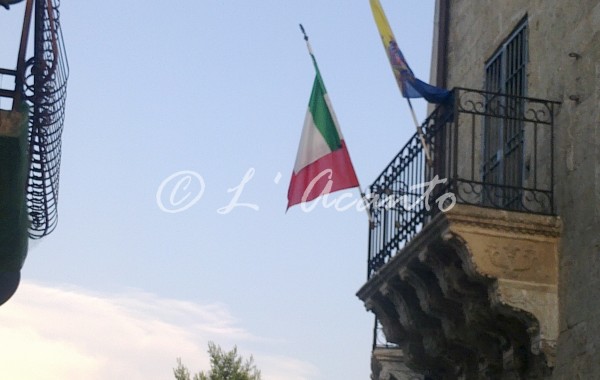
(323, 164)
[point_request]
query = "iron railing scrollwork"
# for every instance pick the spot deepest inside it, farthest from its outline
(46, 84)
(41, 83)
(409, 192)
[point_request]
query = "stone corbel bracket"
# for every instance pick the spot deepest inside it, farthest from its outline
(519, 252)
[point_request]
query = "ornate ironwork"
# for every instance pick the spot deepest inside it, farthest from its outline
(41, 82)
(504, 106)
(45, 91)
(409, 192)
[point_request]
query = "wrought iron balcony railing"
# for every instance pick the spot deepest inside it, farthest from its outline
(488, 149)
(40, 84)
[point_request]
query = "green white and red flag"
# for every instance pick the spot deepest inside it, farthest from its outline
(323, 164)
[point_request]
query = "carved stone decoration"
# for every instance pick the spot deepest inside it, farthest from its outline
(539, 300)
(389, 364)
(474, 294)
(393, 330)
(520, 252)
(510, 259)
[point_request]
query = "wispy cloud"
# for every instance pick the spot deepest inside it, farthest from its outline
(62, 333)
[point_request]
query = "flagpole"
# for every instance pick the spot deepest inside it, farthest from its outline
(420, 133)
(362, 194)
(395, 57)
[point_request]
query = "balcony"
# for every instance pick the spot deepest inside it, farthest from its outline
(462, 265)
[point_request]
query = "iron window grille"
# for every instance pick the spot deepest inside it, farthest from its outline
(503, 138)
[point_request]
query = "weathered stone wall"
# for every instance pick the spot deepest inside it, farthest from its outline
(388, 364)
(557, 28)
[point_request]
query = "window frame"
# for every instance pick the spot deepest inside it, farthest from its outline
(503, 146)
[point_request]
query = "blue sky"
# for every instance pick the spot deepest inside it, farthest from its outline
(219, 88)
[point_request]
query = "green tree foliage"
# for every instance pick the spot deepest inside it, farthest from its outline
(181, 372)
(224, 365)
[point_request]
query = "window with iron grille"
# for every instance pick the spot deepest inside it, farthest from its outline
(505, 75)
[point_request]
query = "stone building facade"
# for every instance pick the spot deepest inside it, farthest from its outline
(506, 283)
